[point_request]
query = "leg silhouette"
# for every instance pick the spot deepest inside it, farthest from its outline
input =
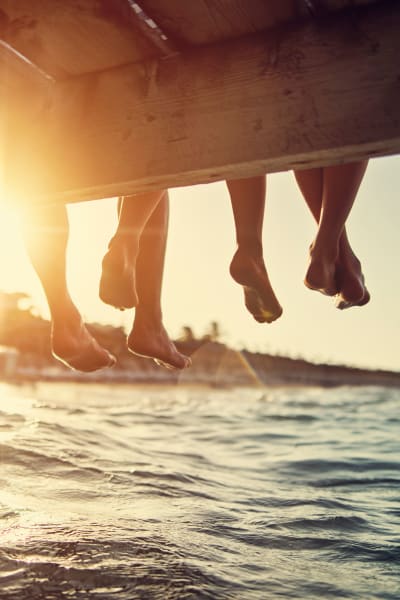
(133, 273)
(334, 268)
(46, 236)
(247, 267)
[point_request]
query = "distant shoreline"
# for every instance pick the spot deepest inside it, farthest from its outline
(25, 356)
(214, 366)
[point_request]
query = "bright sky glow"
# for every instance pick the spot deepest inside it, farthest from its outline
(197, 286)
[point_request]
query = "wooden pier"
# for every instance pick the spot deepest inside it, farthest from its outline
(100, 98)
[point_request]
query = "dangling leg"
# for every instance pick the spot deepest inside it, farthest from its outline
(148, 336)
(343, 182)
(334, 268)
(247, 267)
(118, 279)
(46, 237)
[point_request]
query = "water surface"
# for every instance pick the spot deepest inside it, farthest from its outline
(126, 492)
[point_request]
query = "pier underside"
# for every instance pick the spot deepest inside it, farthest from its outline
(101, 98)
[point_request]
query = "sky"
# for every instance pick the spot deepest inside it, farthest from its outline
(197, 286)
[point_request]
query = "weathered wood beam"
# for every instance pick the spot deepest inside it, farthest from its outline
(74, 37)
(205, 22)
(318, 94)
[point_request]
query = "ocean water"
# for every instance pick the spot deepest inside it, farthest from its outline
(184, 493)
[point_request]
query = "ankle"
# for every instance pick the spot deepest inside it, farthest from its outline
(250, 248)
(148, 316)
(124, 244)
(323, 250)
(66, 314)
(347, 255)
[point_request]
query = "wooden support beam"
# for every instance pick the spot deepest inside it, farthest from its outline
(75, 37)
(322, 93)
(205, 21)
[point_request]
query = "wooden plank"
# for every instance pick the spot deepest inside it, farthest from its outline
(204, 22)
(74, 37)
(324, 94)
(211, 21)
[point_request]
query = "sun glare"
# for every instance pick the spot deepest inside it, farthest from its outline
(10, 248)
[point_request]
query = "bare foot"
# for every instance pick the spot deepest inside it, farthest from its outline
(259, 297)
(149, 339)
(351, 282)
(75, 347)
(321, 272)
(117, 283)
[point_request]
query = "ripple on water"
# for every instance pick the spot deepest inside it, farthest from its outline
(110, 492)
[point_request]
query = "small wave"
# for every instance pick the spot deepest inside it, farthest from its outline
(368, 552)
(282, 502)
(352, 465)
(325, 523)
(145, 569)
(298, 417)
(45, 464)
(357, 481)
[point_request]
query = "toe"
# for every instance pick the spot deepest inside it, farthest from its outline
(178, 363)
(343, 303)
